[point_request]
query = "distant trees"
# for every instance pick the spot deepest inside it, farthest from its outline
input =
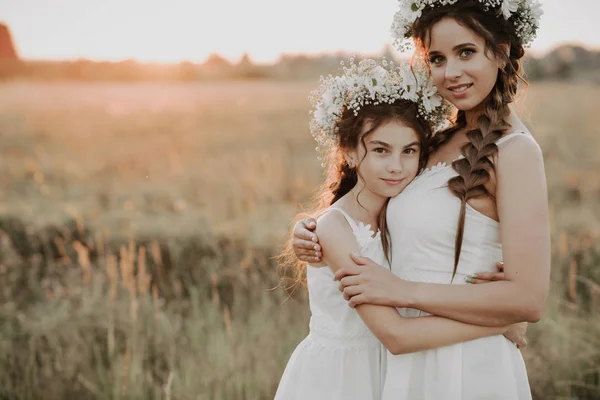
(7, 46)
(563, 63)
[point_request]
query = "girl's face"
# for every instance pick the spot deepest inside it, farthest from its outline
(460, 67)
(390, 160)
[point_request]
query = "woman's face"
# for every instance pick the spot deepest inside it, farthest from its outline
(390, 160)
(461, 70)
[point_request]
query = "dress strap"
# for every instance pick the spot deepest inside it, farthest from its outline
(351, 222)
(510, 136)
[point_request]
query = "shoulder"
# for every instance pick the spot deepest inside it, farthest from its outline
(332, 223)
(336, 238)
(520, 164)
(518, 148)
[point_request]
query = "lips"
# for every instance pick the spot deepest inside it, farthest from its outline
(393, 182)
(460, 88)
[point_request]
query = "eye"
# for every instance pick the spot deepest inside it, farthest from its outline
(466, 53)
(380, 150)
(436, 60)
(410, 150)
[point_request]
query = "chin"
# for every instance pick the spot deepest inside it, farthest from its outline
(466, 105)
(392, 192)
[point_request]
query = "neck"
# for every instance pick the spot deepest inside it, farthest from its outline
(364, 204)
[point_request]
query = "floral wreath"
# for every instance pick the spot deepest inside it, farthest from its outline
(372, 82)
(524, 14)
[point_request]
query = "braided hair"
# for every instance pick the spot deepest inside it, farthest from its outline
(476, 166)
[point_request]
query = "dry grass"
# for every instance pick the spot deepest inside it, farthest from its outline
(139, 223)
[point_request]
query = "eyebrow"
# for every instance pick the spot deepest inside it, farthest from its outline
(384, 144)
(455, 48)
(379, 142)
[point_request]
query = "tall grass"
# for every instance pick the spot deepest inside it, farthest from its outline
(139, 223)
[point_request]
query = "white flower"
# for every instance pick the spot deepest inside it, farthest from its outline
(409, 84)
(524, 14)
(320, 114)
(509, 7)
(369, 82)
(412, 10)
(379, 75)
(364, 234)
(431, 99)
(349, 81)
(536, 10)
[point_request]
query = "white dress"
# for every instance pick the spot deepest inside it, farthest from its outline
(422, 221)
(340, 359)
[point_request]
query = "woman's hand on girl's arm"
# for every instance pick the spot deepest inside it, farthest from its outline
(399, 335)
(306, 242)
(366, 282)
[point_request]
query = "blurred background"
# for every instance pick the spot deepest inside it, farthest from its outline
(153, 155)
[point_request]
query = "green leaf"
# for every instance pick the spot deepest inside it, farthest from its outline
(414, 7)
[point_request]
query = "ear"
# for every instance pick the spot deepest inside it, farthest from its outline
(351, 158)
(506, 48)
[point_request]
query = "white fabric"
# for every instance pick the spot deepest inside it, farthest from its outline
(340, 359)
(422, 221)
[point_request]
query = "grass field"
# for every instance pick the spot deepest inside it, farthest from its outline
(139, 221)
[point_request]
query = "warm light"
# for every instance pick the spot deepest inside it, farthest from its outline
(156, 30)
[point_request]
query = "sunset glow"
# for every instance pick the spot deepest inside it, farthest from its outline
(151, 30)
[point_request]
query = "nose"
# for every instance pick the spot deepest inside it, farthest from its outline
(453, 69)
(395, 165)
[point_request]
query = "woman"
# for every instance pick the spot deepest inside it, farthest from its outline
(445, 225)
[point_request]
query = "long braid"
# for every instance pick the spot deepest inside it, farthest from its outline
(476, 166)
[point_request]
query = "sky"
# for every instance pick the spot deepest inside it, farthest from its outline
(177, 30)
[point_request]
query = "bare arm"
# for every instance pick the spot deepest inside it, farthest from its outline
(399, 335)
(525, 234)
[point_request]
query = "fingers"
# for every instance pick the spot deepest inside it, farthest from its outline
(302, 231)
(351, 291)
(522, 344)
(360, 260)
(300, 244)
(309, 223)
(357, 300)
(307, 251)
(351, 280)
(346, 271)
(485, 277)
(310, 257)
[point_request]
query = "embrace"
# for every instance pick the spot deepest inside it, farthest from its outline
(428, 250)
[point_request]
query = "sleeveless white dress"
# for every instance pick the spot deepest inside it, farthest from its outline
(340, 359)
(422, 221)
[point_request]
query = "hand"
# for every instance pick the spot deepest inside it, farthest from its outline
(369, 282)
(305, 241)
(516, 334)
(487, 277)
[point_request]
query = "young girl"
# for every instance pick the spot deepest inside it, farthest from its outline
(484, 172)
(372, 123)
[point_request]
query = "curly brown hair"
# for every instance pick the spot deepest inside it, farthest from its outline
(475, 169)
